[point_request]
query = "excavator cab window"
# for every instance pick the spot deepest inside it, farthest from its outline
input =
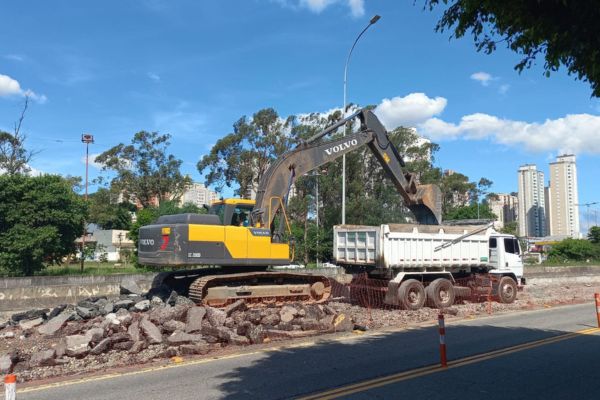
(218, 210)
(240, 215)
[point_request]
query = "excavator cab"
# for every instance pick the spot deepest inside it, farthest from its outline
(234, 212)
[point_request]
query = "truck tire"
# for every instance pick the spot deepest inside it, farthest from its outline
(507, 290)
(411, 294)
(440, 293)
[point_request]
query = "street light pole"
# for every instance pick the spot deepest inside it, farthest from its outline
(371, 22)
(587, 216)
(87, 139)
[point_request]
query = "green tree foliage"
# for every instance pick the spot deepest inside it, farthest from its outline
(149, 215)
(470, 212)
(594, 234)
(241, 158)
(564, 32)
(510, 228)
(574, 250)
(144, 169)
(107, 213)
(40, 218)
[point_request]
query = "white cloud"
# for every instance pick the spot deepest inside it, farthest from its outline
(179, 122)
(409, 110)
(154, 77)
(574, 133)
(14, 57)
(11, 87)
(357, 7)
(482, 77)
(92, 161)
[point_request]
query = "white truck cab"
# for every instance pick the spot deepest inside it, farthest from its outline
(505, 255)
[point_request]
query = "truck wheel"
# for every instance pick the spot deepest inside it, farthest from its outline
(411, 294)
(440, 293)
(507, 290)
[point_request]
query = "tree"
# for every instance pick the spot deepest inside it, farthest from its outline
(510, 228)
(107, 213)
(14, 158)
(564, 32)
(40, 218)
(243, 156)
(594, 234)
(574, 250)
(470, 212)
(144, 169)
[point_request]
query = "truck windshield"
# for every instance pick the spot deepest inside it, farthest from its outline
(511, 245)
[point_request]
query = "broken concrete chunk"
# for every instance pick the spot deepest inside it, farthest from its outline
(42, 358)
(179, 337)
(143, 305)
(151, 331)
(129, 286)
(101, 347)
(56, 323)
(194, 319)
(95, 334)
(30, 323)
(173, 325)
(215, 316)
(76, 345)
(238, 305)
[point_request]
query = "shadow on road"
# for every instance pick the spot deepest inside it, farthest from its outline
(300, 371)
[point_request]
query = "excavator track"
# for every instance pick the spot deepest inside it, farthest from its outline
(260, 288)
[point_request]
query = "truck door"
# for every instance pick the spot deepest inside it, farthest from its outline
(512, 256)
(493, 244)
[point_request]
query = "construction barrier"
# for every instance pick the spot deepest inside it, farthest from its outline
(442, 329)
(371, 293)
(597, 298)
(10, 387)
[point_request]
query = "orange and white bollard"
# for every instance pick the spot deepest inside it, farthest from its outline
(597, 298)
(442, 328)
(10, 387)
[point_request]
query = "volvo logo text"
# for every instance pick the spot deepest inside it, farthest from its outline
(147, 242)
(339, 147)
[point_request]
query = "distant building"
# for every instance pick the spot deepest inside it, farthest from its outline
(505, 207)
(531, 199)
(563, 196)
(199, 195)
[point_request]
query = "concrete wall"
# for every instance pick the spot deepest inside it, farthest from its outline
(50, 291)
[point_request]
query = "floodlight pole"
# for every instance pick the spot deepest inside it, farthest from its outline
(87, 139)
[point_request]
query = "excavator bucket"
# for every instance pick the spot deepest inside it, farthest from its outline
(427, 205)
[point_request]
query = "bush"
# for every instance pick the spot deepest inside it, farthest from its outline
(574, 250)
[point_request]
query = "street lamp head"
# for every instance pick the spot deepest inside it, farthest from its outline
(374, 19)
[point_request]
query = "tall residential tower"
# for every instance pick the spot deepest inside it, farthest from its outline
(563, 209)
(532, 215)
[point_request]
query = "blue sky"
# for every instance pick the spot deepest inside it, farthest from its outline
(193, 68)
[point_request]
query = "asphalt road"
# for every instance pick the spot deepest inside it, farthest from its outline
(556, 367)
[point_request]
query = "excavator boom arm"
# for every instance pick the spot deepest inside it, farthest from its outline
(423, 200)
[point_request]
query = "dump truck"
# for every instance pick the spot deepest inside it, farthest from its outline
(240, 238)
(432, 264)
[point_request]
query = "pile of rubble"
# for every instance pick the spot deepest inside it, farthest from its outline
(98, 332)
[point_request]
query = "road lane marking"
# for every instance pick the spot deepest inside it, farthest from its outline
(428, 370)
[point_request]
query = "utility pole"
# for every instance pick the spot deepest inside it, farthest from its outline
(87, 139)
(371, 22)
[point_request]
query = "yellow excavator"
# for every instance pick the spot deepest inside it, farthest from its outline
(239, 239)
